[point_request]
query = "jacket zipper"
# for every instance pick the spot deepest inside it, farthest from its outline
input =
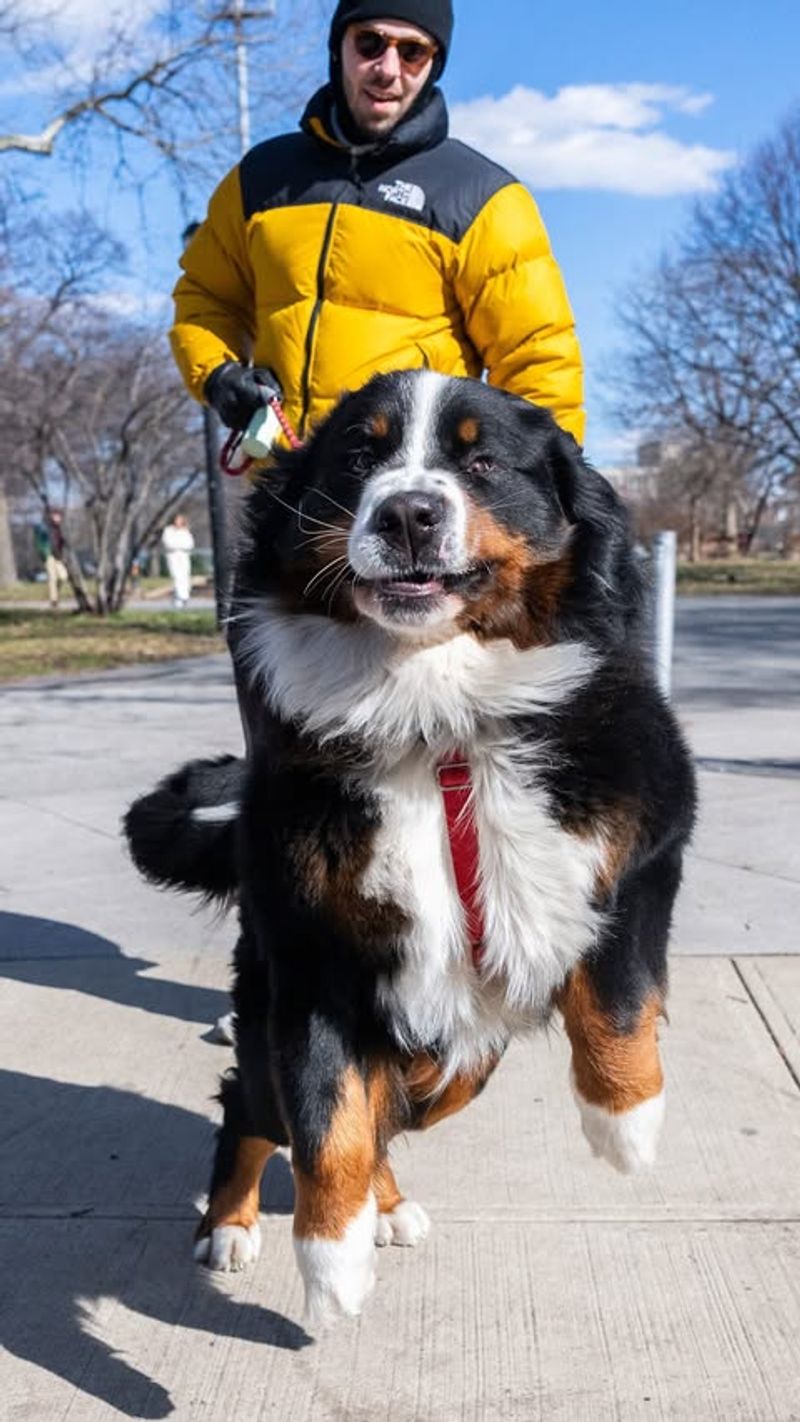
(312, 325)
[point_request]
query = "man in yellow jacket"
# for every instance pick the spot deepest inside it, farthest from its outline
(370, 241)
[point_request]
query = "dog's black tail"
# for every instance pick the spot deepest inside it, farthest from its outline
(183, 833)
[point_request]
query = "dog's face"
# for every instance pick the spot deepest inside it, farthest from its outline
(432, 506)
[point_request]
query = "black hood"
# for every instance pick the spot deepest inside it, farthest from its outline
(423, 127)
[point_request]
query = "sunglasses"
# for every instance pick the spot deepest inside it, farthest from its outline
(413, 54)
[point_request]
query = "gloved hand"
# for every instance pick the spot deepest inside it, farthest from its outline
(237, 391)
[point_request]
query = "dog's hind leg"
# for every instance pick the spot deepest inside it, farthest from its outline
(433, 1102)
(402, 1221)
(611, 1004)
(228, 1237)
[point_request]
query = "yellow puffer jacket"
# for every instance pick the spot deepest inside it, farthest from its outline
(329, 264)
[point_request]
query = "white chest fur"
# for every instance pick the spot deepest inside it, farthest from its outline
(535, 885)
(408, 705)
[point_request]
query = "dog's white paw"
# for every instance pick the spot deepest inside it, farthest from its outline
(339, 1274)
(229, 1247)
(626, 1139)
(407, 1224)
(224, 1030)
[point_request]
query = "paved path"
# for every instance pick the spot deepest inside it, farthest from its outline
(550, 1288)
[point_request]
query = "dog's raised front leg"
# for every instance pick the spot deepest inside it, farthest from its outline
(611, 1004)
(616, 1075)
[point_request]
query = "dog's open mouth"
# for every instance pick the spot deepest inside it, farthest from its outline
(419, 584)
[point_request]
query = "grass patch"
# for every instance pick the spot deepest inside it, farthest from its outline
(741, 576)
(59, 643)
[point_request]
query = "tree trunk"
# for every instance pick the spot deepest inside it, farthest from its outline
(695, 532)
(731, 527)
(8, 563)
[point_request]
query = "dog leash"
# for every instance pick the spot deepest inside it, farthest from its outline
(455, 782)
(233, 463)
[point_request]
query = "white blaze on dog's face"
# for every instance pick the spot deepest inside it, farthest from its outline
(409, 544)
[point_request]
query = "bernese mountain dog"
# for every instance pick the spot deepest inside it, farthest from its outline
(464, 807)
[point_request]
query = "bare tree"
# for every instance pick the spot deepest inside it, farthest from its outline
(97, 424)
(146, 95)
(712, 362)
(167, 85)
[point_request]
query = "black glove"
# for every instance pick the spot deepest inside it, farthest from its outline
(237, 391)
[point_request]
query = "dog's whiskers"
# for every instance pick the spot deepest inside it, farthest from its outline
(301, 514)
(322, 571)
(336, 584)
(323, 493)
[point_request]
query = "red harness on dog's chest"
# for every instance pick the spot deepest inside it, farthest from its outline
(455, 783)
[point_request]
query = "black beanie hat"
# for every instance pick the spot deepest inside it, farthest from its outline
(433, 16)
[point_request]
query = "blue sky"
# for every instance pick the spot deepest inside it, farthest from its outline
(618, 116)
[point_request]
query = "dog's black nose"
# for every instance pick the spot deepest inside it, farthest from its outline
(410, 522)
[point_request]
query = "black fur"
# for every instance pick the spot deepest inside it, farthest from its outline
(169, 847)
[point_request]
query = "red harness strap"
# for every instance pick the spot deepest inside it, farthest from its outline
(455, 782)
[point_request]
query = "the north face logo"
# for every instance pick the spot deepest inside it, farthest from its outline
(403, 194)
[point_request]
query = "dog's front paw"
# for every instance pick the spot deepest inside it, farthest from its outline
(339, 1274)
(229, 1247)
(626, 1139)
(407, 1224)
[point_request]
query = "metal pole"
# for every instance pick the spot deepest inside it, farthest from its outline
(216, 501)
(216, 515)
(665, 547)
(242, 85)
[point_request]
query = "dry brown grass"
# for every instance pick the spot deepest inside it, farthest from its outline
(45, 642)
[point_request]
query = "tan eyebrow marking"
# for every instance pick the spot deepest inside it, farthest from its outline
(379, 424)
(468, 430)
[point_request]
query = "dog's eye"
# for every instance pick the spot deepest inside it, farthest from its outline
(362, 461)
(481, 464)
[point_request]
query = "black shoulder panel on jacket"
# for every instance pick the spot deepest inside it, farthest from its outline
(291, 169)
(442, 188)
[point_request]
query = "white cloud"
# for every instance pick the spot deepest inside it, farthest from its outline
(132, 305)
(75, 35)
(86, 20)
(607, 136)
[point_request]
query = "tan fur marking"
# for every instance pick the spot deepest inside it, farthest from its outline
(523, 597)
(613, 1069)
(237, 1201)
(329, 1199)
(379, 424)
(423, 1079)
(385, 1186)
(468, 430)
(616, 829)
(384, 1093)
(337, 884)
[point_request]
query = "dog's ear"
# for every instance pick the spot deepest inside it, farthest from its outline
(609, 577)
(586, 497)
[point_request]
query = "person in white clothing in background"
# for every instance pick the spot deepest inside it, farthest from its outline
(177, 542)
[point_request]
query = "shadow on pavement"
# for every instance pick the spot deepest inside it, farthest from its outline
(61, 955)
(88, 1156)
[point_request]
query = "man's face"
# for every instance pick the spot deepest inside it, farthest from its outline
(380, 91)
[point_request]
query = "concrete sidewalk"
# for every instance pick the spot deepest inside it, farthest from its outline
(549, 1288)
